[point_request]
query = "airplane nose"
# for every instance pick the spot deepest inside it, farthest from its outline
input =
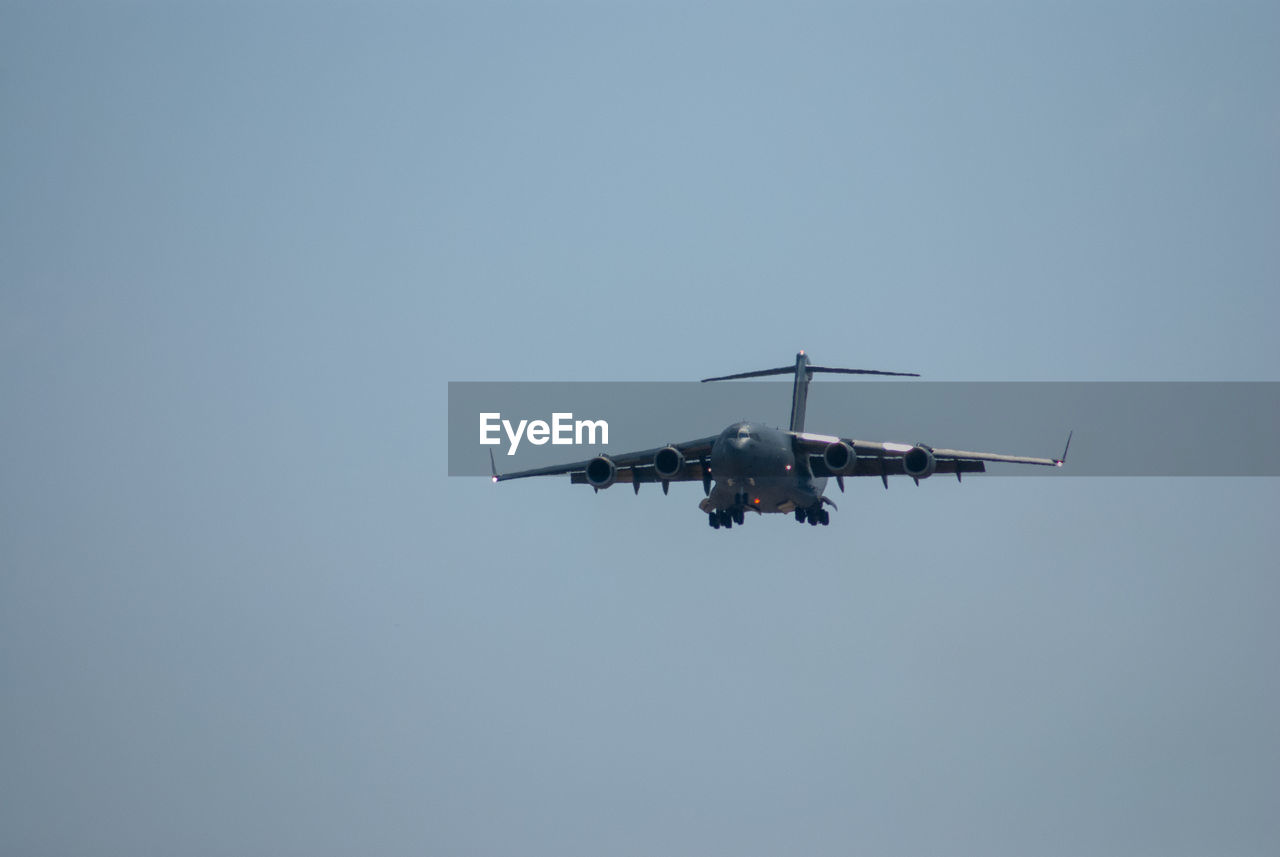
(732, 454)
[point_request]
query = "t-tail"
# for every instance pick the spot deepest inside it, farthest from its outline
(804, 374)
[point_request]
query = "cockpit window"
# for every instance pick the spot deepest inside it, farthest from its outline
(744, 433)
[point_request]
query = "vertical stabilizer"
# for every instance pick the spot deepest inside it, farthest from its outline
(800, 392)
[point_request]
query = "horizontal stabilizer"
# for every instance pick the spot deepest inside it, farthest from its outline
(862, 372)
(803, 372)
(787, 370)
(782, 370)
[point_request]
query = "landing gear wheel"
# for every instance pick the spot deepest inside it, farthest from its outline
(714, 520)
(738, 516)
(800, 516)
(824, 517)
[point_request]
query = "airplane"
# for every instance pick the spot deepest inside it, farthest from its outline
(754, 467)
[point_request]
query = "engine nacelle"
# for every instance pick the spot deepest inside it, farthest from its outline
(668, 463)
(840, 458)
(919, 462)
(601, 472)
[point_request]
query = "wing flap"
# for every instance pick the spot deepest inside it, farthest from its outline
(994, 456)
(871, 452)
(875, 465)
(691, 472)
(629, 465)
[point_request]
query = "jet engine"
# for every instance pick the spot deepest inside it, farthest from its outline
(840, 458)
(601, 472)
(919, 462)
(668, 463)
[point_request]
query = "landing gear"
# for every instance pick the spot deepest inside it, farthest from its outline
(814, 515)
(726, 518)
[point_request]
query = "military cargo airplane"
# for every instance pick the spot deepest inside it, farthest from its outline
(753, 467)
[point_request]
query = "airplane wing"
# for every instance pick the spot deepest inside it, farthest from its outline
(633, 467)
(888, 459)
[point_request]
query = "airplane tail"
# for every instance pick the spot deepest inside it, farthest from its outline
(803, 374)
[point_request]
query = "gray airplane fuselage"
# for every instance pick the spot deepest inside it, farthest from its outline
(759, 461)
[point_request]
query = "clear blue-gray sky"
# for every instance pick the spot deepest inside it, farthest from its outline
(243, 247)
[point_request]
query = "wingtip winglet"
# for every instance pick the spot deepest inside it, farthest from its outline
(1063, 460)
(493, 467)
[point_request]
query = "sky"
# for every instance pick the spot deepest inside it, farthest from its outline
(245, 247)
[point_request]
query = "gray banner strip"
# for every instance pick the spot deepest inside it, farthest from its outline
(1121, 428)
